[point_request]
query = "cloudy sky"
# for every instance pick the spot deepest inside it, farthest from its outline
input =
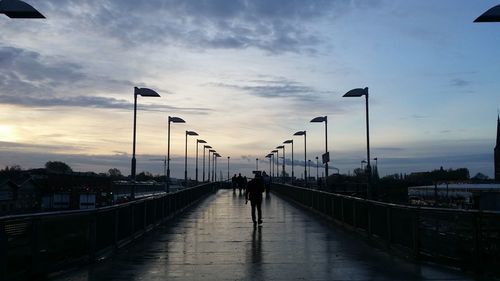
(246, 75)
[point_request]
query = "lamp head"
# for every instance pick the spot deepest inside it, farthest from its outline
(145, 92)
(201, 141)
(274, 151)
(358, 92)
(207, 146)
(16, 9)
(280, 147)
(175, 119)
(319, 119)
(288, 141)
(300, 133)
(492, 15)
(269, 155)
(191, 133)
(211, 150)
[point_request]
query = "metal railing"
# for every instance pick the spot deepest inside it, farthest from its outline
(37, 244)
(468, 239)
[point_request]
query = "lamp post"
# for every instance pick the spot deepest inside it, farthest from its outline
(317, 168)
(213, 166)
(188, 133)
(197, 144)
(209, 160)
(228, 169)
(144, 92)
(492, 15)
(359, 92)
(205, 147)
(256, 164)
(288, 142)
(16, 9)
(277, 163)
(270, 164)
(283, 162)
(326, 156)
(170, 120)
(303, 133)
(216, 155)
(309, 164)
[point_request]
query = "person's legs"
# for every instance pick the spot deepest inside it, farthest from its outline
(253, 203)
(259, 209)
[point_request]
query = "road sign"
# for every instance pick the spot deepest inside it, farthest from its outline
(326, 157)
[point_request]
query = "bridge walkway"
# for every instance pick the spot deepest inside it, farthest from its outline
(217, 241)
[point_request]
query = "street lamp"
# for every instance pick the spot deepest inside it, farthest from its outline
(197, 144)
(209, 160)
(145, 92)
(317, 168)
(188, 133)
(287, 142)
(359, 92)
(492, 15)
(326, 156)
(256, 164)
(270, 164)
(205, 147)
(216, 155)
(16, 9)
(228, 169)
(303, 133)
(277, 163)
(170, 120)
(283, 163)
(309, 164)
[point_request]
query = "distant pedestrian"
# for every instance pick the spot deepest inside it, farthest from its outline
(267, 181)
(254, 191)
(234, 181)
(241, 184)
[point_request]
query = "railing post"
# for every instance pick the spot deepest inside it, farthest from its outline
(354, 213)
(477, 241)
(3, 251)
(145, 216)
(35, 246)
(368, 207)
(416, 233)
(389, 225)
(342, 209)
(116, 226)
(92, 228)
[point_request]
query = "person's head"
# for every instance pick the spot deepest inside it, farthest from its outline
(239, 174)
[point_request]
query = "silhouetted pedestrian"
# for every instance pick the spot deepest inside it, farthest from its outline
(240, 181)
(254, 191)
(267, 181)
(234, 181)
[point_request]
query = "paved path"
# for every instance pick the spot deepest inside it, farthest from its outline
(217, 241)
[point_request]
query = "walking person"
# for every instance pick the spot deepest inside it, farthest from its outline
(255, 188)
(239, 179)
(234, 181)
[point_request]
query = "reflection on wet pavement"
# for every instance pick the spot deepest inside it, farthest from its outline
(217, 240)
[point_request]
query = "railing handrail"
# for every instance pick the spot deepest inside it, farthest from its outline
(101, 209)
(387, 204)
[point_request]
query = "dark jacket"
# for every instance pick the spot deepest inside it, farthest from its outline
(255, 187)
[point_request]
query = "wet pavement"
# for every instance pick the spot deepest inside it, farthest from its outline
(216, 240)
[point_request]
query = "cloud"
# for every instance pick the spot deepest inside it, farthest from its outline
(272, 26)
(275, 88)
(29, 79)
(459, 82)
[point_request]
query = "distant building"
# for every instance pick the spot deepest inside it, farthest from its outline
(453, 195)
(497, 152)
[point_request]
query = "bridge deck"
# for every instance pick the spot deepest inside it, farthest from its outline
(217, 241)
